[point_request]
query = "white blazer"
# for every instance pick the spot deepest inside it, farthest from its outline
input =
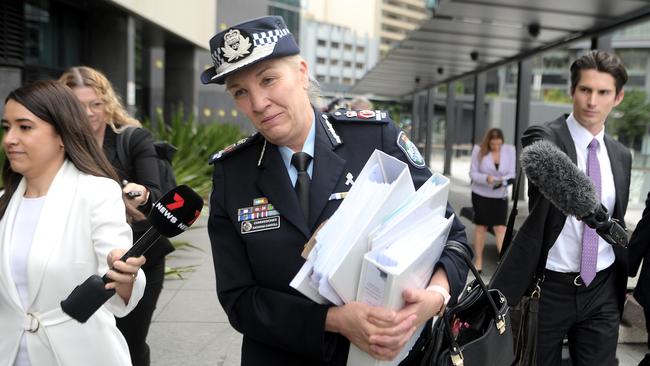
(82, 220)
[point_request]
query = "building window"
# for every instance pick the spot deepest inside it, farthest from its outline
(322, 42)
(347, 81)
(347, 47)
(334, 62)
(361, 49)
(359, 65)
(347, 64)
(334, 79)
(320, 78)
(320, 60)
(53, 39)
(335, 45)
(289, 10)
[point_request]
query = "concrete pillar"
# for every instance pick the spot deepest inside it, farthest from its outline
(602, 42)
(449, 127)
(180, 81)
(522, 112)
(154, 83)
(415, 119)
(112, 38)
(431, 93)
(480, 125)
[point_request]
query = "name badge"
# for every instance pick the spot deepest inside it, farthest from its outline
(254, 226)
(259, 217)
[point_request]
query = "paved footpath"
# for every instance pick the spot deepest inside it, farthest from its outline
(190, 327)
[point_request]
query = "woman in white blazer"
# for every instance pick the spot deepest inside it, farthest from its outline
(62, 219)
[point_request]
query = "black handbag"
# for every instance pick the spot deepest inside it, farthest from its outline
(524, 323)
(474, 331)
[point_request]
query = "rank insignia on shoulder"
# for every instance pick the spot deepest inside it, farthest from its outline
(376, 116)
(226, 151)
(259, 217)
(411, 151)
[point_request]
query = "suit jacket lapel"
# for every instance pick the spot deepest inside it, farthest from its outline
(618, 173)
(48, 236)
(327, 170)
(7, 284)
(274, 182)
(565, 142)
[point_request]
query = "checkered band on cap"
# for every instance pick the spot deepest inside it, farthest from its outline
(246, 44)
(217, 57)
(262, 38)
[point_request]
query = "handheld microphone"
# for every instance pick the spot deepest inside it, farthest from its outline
(569, 189)
(172, 214)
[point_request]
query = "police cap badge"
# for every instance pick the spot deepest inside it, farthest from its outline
(246, 44)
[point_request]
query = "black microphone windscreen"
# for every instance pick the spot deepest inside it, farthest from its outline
(176, 211)
(559, 179)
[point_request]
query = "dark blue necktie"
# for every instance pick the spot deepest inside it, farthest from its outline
(300, 161)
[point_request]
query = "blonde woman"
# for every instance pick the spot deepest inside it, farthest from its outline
(108, 118)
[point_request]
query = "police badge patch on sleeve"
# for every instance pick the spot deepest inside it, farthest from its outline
(411, 151)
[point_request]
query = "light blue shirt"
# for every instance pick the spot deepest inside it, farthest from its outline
(307, 147)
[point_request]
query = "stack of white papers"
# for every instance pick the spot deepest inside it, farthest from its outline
(384, 237)
(331, 272)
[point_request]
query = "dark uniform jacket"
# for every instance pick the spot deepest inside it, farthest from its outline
(639, 245)
(253, 270)
(544, 223)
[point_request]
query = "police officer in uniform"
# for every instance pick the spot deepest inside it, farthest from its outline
(272, 190)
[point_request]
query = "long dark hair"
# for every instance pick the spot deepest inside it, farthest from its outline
(493, 133)
(57, 105)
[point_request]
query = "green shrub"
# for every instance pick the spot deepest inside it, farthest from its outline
(195, 143)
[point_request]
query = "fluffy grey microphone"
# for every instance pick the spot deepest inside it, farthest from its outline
(559, 179)
(569, 189)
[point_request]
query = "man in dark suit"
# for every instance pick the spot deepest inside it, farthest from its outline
(261, 216)
(638, 247)
(582, 278)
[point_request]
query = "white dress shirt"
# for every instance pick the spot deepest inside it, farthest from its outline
(565, 254)
(21, 242)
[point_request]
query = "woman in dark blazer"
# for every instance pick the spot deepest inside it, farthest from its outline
(108, 118)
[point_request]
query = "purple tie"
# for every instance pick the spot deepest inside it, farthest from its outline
(589, 235)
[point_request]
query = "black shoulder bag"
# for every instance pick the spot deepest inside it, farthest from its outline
(525, 314)
(474, 331)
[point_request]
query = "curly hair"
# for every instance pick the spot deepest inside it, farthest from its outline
(79, 76)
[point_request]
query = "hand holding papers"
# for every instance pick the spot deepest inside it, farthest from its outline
(404, 251)
(383, 239)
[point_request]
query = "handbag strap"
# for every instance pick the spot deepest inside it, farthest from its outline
(460, 249)
(507, 238)
(500, 318)
(123, 148)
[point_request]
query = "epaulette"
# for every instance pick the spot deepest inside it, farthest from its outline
(365, 116)
(229, 150)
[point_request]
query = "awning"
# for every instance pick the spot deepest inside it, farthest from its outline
(469, 36)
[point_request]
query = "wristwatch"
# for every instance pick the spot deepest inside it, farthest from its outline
(443, 292)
